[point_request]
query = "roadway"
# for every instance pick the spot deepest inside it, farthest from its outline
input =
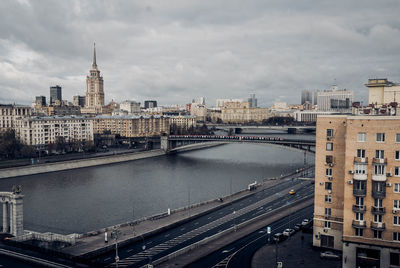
(160, 245)
(240, 252)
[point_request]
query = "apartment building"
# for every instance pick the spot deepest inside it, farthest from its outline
(10, 112)
(183, 121)
(131, 125)
(41, 131)
(240, 112)
(357, 189)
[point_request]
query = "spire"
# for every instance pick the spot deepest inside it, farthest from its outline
(94, 65)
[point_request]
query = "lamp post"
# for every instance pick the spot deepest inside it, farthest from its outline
(115, 234)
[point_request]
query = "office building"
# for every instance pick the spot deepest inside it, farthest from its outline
(150, 104)
(40, 101)
(240, 112)
(252, 101)
(221, 102)
(335, 100)
(357, 189)
(55, 94)
(132, 107)
(306, 96)
(79, 101)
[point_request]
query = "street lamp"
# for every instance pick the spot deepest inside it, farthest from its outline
(115, 234)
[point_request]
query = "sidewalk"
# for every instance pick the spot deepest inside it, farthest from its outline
(94, 244)
(293, 253)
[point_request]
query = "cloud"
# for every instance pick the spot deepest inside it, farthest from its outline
(174, 51)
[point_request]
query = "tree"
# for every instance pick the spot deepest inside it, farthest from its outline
(61, 145)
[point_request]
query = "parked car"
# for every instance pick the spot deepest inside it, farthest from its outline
(305, 222)
(288, 232)
(278, 237)
(292, 192)
(297, 227)
(329, 255)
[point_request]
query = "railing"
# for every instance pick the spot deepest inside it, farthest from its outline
(359, 208)
(359, 224)
(378, 194)
(359, 192)
(378, 210)
(360, 159)
(381, 177)
(379, 226)
(360, 177)
(379, 160)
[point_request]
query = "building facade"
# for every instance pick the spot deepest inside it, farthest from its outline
(183, 121)
(94, 100)
(306, 95)
(252, 101)
(240, 112)
(42, 131)
(335, 100)
(40, 101)
(150, 104)
(9, 113)
(131, 125)
(55, 94)
(132, 107)
(357, 189)
(382, 91)
(79, 101)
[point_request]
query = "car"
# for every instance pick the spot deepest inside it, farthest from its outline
(305, 222)
(329, 255)
(292, 192)
(288, 232)
(297, 227)
(278, 237)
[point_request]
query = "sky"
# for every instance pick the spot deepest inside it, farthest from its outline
(178, 50)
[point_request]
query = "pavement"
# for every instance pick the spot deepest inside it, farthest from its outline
(85, 246)
(293, 253)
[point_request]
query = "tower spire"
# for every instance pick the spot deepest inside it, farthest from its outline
(94, 65)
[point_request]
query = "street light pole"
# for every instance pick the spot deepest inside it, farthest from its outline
(115, 233)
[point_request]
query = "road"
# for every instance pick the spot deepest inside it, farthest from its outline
(240, 252)
(160, 245)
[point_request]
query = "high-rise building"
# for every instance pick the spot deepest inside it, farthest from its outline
(79, 101)
(40, 101)
(357, 189)
(150, 104)
(382, 91)
(306, 95)
(55, 94)
(252, 101)
(94, 101)
(132, 107)
(335, 100)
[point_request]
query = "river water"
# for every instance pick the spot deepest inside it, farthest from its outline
(87, 199)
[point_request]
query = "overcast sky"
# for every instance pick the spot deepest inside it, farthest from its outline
(176, 50)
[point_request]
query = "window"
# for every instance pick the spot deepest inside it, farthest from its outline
(360, 169)
(397, 155)
(329, 133)
(361, 137)
(359, 185)
(328, 185)
(378, 234)
(329, 159)
(329, 146)
(329, 172)
(361, 153)
(380, 154)
(397, 171)
(327, 224)
(398, 137)
(379, 169)
(380, 137)
(396, 204)
(377, 218)
(377, 203)
(328, 211)
(396, 236)
(359, 216)
(396, 188)
(328, 198)
(359, 201)
(358, 232)
(396, 220)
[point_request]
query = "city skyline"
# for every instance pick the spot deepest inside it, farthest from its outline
(176, 52)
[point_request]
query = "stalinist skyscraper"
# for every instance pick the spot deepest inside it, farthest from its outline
(94, 102)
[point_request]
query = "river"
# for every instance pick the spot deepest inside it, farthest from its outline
(86, 199)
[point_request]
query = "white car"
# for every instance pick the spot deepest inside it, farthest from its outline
(288, 232)
(305, 222)
(329, 255)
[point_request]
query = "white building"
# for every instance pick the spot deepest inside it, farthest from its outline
(308, 115)
(183, 121)
(199, 111)
(335, 100)
(9, 113)
(45, 130)
(132, 107)
(221, 102)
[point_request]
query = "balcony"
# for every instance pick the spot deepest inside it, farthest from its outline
(379, 177)
(360, 159)
(359, 224)
(359, 208)
(379, 211)
(359, 192)
(379, 226)
(378, 194)
(379, 160)
(360, 177)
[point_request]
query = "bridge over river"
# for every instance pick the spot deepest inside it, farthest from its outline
(174, 143)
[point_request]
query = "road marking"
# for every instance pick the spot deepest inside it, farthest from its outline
(183, 228)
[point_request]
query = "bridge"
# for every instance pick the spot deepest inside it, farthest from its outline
(249, 128)
(173, 143)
